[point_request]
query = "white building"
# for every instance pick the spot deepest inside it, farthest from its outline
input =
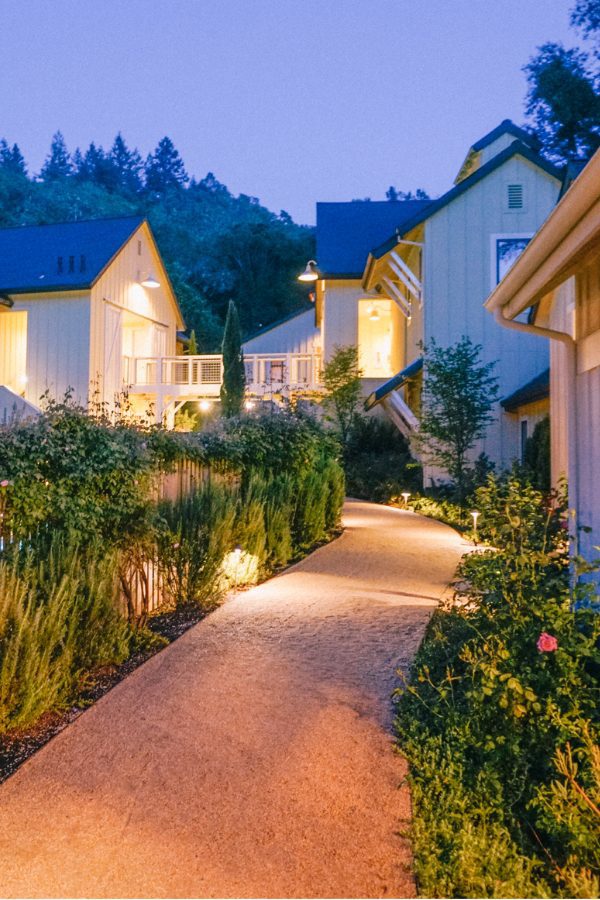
(558, 279)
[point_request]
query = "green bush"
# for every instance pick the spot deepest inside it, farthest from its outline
(58, 621)
(505, 687)
(378, 462)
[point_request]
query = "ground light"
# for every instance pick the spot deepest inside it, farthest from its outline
(405, 495)
(475, 516)
(249, 404)
(204, 405)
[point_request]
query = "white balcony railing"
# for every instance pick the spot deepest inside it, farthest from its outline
(274, 372)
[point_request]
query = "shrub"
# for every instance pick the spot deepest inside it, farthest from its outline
(58, 621)
(378, 461)
(494, 706)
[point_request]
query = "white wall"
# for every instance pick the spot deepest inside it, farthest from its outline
(297, 335)
(458, 276)
(58, 328)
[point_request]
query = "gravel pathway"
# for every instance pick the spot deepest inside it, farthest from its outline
(253, 757)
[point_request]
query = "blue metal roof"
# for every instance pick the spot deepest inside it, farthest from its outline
(68, 256)
(517, 148)
(346, 232)
(536, 389)
(394, 383)
(507, 127)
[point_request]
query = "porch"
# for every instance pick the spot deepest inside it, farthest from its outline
(175, 380)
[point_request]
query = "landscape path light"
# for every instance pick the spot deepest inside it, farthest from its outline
(204, 405)
(475, 516)
(405, 495)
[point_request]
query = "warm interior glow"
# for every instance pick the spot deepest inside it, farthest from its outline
(13, 350)
(375, 332)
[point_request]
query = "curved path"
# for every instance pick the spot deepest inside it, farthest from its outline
(251, 758)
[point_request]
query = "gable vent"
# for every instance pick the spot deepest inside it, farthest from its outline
(515, 196)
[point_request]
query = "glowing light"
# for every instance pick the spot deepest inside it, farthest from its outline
(405, 495)
(310, 273)
(374, 314)
(204, 405)
(239, 567)
(249, 404)
(150, 282)
(23, 379)
(475, 515)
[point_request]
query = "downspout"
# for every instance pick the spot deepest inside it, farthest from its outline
(571, 349)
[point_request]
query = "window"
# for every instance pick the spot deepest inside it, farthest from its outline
(506, 249)
(71, 264)
(524, 435)
(82, 263)
(515, 196)
(59, 265)
(139, 248)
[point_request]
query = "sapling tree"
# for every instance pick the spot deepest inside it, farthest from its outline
(459, 391)
(341, 380)
(234, 376)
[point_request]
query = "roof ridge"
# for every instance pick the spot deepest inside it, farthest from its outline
(22, 227)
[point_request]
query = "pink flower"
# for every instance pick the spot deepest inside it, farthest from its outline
(4, 483)
(175, 546)
(547, 643)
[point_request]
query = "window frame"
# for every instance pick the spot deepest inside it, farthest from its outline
(494, 240)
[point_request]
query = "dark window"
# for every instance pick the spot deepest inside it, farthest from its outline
(524, 428)
(71, 264)
(508, 250)
(139, 248)
(59, 265)
(82, 263)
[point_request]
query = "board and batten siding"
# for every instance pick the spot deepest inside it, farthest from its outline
(118, 295)
(459, 275)
(58, 328)
(296, 335)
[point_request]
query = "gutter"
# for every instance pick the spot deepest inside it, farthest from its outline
(571, 349)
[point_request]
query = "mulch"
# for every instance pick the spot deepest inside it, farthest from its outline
(18, 746)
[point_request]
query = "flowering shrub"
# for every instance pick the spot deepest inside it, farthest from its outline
(504, 693)
(80, 521)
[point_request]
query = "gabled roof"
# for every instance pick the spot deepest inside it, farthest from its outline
(347, 231)
(29, 254)
(536, 389)
(517, 148)
(278, 322)
(506, 127)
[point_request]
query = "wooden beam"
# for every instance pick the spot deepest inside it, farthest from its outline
(393, 293)
(407, 270)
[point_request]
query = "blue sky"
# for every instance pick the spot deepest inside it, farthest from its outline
(292, 101)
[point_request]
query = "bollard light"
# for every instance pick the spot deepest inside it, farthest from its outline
(204, 405)
(405, 495)
(475, 516)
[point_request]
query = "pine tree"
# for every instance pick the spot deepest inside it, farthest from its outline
(58, 162)
(192, 349)
(234, 378)
(127, 166)
(164, 168)
(11, 158)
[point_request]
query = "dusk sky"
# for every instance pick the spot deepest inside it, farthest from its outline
(292, 101)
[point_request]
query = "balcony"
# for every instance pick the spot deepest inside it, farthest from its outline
(178, 377)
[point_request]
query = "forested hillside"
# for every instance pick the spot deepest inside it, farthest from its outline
(216, 246)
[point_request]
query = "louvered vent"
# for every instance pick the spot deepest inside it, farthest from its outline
(515, 196)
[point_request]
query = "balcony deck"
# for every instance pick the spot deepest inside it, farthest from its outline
(196, 377)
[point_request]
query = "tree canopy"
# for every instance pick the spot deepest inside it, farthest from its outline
(563, 97)
(217, 247)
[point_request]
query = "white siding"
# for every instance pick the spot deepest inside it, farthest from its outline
(58, 330)
(457, 280)
(297, 335)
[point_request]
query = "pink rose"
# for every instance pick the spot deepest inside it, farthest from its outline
(547, 643)
(4, 483)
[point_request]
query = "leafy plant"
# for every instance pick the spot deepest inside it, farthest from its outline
(234, 378)
(342, 382)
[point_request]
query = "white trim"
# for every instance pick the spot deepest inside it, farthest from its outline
(588, 352)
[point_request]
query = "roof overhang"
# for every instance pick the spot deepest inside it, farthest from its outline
(567, 240)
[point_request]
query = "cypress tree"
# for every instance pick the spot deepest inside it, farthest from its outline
(234, 376)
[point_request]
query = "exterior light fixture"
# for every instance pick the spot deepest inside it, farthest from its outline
(249, 404)
(475, 516)
(150, 282)
(374, 314)
(405, 495)
(23, 379)
(310, 273)
(204, 405)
